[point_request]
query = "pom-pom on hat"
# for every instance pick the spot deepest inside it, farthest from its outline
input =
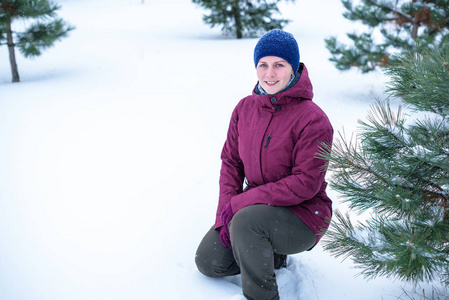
(278, 43)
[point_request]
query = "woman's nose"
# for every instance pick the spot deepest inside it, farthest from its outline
(270, 72)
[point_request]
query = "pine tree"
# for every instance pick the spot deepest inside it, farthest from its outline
(38, 36)
(397, 170)
(393, 26)
(242, 17)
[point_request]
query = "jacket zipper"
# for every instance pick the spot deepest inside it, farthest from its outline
(264, 146)
(268, 140)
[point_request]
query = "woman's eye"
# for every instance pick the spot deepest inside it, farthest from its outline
(280, 65)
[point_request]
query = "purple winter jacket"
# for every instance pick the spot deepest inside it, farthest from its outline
(272, 140)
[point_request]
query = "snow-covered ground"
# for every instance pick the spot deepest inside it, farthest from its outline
(110, 149)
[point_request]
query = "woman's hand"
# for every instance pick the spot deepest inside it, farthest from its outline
(224, 237)
(226, 217)
(227, 214)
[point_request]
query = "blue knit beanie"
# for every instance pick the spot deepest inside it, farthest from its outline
(278, 43)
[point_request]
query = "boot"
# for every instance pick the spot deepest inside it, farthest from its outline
(280, 261)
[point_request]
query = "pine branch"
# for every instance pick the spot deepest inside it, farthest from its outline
(40, 36)
(386, 248)
(368, 170)
(37, 9)
(414, 80)
(408, 235)
(383, 5)
(242, 17)
(402, 25)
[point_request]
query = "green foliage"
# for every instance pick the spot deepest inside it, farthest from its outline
(42, 31)
(242, 17)
(423, 76)
(40, 36)
(392, 26)
(26, 9)
(398, 170)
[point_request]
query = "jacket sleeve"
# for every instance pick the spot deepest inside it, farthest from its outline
(308, 172)
(232, 172)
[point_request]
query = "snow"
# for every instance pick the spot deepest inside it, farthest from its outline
(110, 154)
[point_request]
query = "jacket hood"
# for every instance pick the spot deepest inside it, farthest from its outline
(301, 89)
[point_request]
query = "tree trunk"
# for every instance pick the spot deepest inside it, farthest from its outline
(12, 55)
(238, 20)
(415, 24)
(415, 30)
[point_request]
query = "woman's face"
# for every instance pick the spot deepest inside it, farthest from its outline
(274, 73)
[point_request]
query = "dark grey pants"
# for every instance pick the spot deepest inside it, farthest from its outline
(257, 232)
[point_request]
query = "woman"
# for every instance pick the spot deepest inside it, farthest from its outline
(271, 147)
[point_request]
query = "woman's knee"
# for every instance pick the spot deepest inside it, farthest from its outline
(216, 266)
(204, 264)
(213, 259)
(204, 255)
(201, 262)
